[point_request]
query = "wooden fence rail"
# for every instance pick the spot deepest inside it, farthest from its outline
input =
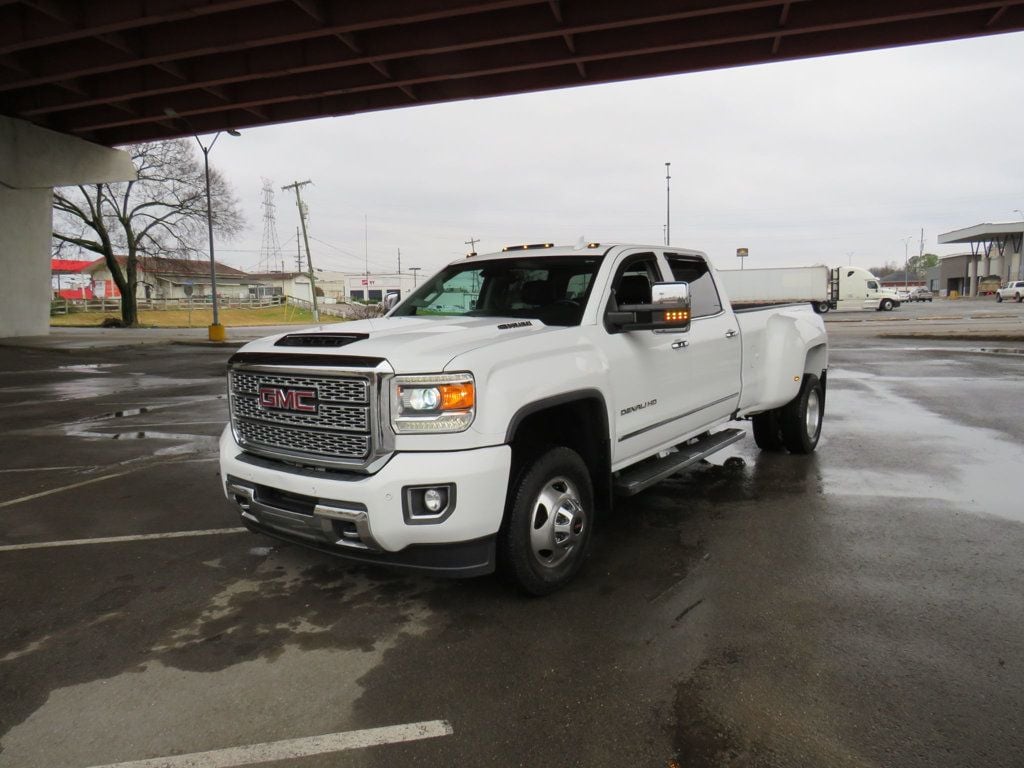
(68, 306)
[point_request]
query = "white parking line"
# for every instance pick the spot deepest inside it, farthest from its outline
(292, 748)
(120, 539)
(47, 469)
(63, 488)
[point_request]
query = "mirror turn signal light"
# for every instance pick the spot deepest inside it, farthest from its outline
(677, 316)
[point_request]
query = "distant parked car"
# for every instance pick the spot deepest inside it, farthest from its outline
(1012, 290)
(902, 294)
(920, 294)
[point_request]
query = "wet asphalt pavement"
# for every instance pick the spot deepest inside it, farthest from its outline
(863, 606)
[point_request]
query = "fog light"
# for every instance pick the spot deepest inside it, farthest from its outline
(433, 500)
(428, 504)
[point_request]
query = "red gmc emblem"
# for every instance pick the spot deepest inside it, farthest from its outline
(288, 399)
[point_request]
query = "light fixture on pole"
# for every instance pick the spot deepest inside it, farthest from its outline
(216, 330)
(414, 270)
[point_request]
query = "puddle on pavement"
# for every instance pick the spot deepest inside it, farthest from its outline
(87, 367)
(101, 428)
(932, 457)
(97, 387)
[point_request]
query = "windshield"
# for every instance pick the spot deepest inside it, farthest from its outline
(553, 290)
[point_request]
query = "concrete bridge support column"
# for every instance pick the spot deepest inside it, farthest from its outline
(33, 161)
(972, 276)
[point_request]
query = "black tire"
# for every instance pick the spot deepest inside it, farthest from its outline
(999, 298)
(540, 549)
(767, 432)
(1018, 298)
(823, 307)
(800, 419)
(887, 305)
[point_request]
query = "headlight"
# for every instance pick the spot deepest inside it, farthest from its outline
(444, 402)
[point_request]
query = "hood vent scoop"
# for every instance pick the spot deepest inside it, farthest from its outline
(319, 340)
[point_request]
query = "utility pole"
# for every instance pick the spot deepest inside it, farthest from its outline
(906, 259)
(920, 252)
(298, 251)
(668, 208)
(472, 245)
(399, 261)
(414, 270)
(297, 186)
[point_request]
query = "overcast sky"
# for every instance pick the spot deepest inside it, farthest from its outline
(801, 162)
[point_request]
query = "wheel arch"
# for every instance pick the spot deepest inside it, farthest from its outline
(576, 420)
(817, 363)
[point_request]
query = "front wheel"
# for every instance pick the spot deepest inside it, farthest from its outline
(999, 298)
(800, 419)
(546, 530)
(886, 305)
(1017, 297)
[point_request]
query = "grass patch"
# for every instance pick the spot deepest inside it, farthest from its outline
(200, 318)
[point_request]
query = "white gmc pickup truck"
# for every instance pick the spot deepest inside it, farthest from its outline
(491, 414)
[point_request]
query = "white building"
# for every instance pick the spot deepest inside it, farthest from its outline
(374, 287)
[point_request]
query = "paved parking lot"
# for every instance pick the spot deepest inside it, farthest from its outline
(863, 606)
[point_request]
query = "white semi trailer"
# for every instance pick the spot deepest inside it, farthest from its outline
(824, 288)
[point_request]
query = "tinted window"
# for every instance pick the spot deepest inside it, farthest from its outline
(704, 298)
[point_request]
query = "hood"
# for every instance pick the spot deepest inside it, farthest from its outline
(409, 344)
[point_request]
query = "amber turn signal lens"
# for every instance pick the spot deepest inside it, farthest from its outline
(677, 316)
(457, 397)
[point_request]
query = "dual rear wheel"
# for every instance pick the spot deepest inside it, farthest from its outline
(795, 426)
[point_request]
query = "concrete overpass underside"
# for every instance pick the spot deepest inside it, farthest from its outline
(122, 71)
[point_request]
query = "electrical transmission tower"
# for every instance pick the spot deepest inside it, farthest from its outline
(270, 249)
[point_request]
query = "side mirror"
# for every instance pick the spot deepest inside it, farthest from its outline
(391, 301)
(669, 310)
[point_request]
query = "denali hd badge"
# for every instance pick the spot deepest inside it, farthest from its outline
(288, 399)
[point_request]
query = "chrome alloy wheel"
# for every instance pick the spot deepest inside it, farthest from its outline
(557, 522)
(812, 419)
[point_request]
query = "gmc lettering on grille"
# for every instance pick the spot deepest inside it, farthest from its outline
(287, 399)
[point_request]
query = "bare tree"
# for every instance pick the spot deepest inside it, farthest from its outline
(163, 212)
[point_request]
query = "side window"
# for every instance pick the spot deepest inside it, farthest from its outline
(634, 280)
(872, 285)
(704, 299)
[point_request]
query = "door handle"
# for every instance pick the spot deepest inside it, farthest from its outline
(680, 344)
(730, 333)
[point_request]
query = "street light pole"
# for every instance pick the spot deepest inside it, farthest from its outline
(216, 330)
(668, 207)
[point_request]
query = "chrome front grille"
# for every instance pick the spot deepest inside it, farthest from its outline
(312, 443)
(335, 390)
(333, 427)
(331, 415)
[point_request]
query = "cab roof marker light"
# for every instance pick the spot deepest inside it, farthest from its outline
(527, 246)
